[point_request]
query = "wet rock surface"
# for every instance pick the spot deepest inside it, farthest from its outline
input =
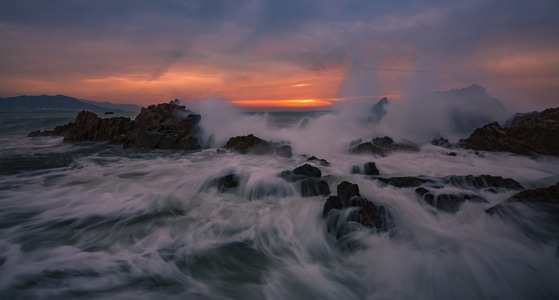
(383, 146)
(527, 134)
(308, 179)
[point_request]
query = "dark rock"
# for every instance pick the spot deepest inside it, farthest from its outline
(383, 146)
(362, 211)
(346, 190)
(249, 144)
(228, 182)
(41, 133)
(453, 154)
(447, 202)
(535, 212)
(289, 176)
(369, 168)
(483, 181)
(89, 127)
(162, 126)
(405, 181)
(333, 202)
(442, 142)
(379, 110)
(533, 133)
(284, 151)
(320, 161)
(313, 187)
(308, 170)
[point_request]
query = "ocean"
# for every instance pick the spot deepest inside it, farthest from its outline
(92, 220)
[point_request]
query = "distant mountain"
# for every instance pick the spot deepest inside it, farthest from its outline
(61, 103)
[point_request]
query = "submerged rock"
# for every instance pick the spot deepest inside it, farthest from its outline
(320, 161)
(471, 182)
(532, 133)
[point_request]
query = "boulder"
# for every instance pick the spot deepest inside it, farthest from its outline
(528, 134)
(89, 127)
(383, 146)
(309, 180)
(320, 161)
(249, 144)
(362, 211)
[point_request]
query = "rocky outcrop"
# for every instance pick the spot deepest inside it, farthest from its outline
(535, 212)
(470, 182)
(161, 126)
(308, 178)
(89, 127)
(251, 144)
(528, 134)
(383, 147)
(361, 211)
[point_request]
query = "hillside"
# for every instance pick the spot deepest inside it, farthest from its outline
(58, 103)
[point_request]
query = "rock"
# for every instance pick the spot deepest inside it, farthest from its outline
(483, 181)
(249, 144)
(379, 110)
(308, 170)
(89, 127)
(442, 142)
(346, 190)
(369, 168)
(362, 211)
(228, 182)
(405, 181)
(447, 202)
(40, 133)
(283, 151)
(162, 126)
(313, 187)
(333, 202)
(532, 133)
(308, 176)
(320, 161)
(535, 212)
(383, 146)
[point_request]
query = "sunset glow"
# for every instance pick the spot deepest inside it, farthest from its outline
(297, 55)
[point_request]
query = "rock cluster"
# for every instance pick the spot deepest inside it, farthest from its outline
(528, 134)
(161, 126)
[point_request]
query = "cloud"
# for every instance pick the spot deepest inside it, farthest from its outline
(371, 47)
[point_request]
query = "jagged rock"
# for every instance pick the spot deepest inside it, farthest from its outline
(362, 211)
(161, 126)
(542, 197)
(369, 168)
(383, 146)
(532, 133)
(249, 144)
(442, 142)
(447, 202)
(89, 127)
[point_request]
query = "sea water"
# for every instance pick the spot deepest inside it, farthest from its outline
(96, 221)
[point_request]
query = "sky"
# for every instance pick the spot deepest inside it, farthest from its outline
(279, 54)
